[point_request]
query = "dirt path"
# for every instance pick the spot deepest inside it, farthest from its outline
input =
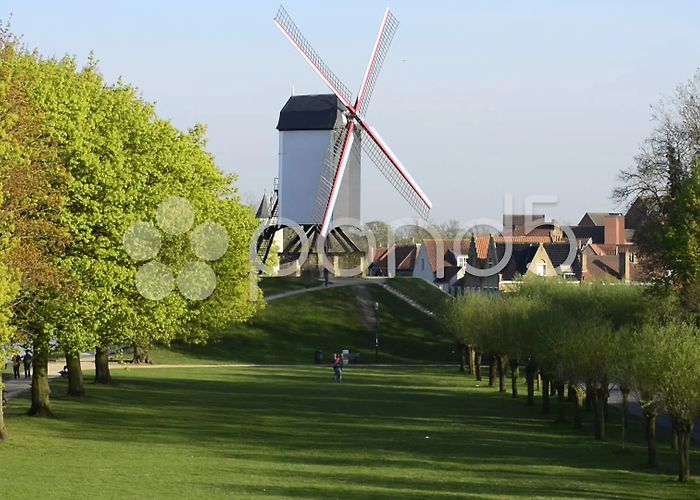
(367, 315)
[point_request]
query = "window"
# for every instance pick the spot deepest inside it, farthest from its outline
(462, 260)
(541, 269)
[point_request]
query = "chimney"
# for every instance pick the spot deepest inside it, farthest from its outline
(625, 266)
(584, 266)
(614, 229)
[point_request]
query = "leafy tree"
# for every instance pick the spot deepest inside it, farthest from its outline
(664, 180)
(122, 162)
(679, 352)
(33, 179)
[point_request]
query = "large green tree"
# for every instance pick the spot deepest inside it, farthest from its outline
(122, 163)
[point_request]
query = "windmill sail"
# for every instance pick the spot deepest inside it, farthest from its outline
(381, 47)
(389, 165)
(357, 128)
(284, 22)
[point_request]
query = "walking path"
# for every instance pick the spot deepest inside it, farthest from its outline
(663, 421)
(13, 387)
(407, 300)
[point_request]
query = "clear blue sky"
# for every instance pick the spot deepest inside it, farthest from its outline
(478, 98)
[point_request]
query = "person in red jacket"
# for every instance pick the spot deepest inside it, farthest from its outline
(338, 367)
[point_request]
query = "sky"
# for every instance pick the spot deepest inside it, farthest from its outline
(481, 100)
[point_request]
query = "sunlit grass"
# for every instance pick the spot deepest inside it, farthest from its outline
(292, 432)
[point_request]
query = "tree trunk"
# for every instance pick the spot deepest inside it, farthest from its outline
(75, 375)
(599, 402)
(472, 359)
(530, 373)
(625, 406)
(462, 358)
(102, 375)
(588, 403)
(571, 393)
(3, 430)
(41, 392)
(501, 369)
(552, 388)
(683, 430)
(561, 399)
(514, 373)
(492, 370)
(477, 366)
(650, 418)
(579, 395)
(674, 436)
(141, 354)
(545, 393)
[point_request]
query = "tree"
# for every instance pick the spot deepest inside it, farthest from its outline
(121, 163)
(33, 185)
(380, 230)
(645, 368)
(664, 181)
(451, 229)
(679, 352)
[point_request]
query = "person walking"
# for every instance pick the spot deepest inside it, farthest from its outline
(338, 368)
(27, 364)
(16, 361)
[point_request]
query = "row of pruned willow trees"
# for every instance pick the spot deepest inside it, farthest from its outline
(81, 161)
(583, 340)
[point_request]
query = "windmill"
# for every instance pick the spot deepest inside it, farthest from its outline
(321, 137)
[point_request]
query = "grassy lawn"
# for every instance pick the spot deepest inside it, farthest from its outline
(292, 433)
(275, 285)
(420, 291)
(291, 329)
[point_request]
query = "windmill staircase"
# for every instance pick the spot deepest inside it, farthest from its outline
(264, 243)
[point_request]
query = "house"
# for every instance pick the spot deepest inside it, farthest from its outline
(482, 264)
(615, 258)
(547, 259)
(441, 262)
(597, 227)
(404, 261)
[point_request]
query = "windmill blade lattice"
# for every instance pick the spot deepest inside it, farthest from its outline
(386, 34)
(330, 167)
(396, 174)
(285, 23)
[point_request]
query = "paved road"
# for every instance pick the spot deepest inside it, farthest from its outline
(663, 422)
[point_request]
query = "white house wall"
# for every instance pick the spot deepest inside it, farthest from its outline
(422, 268)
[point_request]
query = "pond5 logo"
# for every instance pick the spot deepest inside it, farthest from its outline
(143, 241)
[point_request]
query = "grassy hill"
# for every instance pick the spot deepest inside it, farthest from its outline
(273, 286)
(292, 329)
(422, 292)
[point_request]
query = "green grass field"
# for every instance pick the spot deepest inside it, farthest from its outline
(293, 433)
(274, 285)
(292, 329)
